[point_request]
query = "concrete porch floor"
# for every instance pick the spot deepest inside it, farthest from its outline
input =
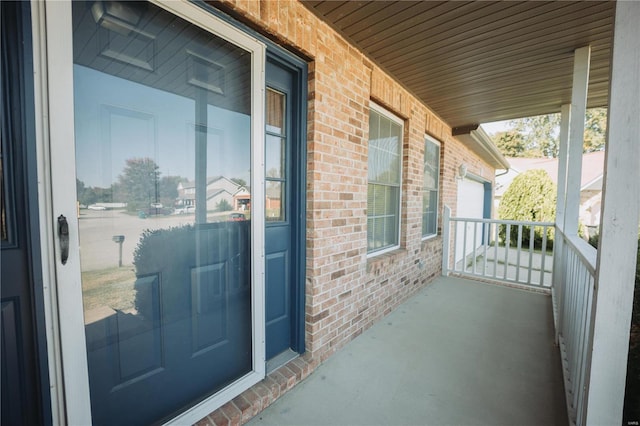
(459, 352)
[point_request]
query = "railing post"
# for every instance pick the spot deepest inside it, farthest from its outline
(446, 235)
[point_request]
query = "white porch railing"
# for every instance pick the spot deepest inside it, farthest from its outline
(483, 248)
(573, 297)
(499, 250)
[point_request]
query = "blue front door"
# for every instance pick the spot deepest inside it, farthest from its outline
(282, 144)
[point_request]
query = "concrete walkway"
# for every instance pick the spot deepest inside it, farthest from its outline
(458, 353)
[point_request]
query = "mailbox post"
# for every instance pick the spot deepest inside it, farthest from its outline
(119, 239)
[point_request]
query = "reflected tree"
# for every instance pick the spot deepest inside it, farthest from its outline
(139, 183)
(168, 191)
(87, 195)
(239, 181)
(223, 206)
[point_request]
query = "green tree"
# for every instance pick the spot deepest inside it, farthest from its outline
(595, 129)
(239, 181)
(139, 183)
(531, 197)
(223, 206)
(83, 193)
(88, 195)
(510, 143)
(168, 189)
(539, 136)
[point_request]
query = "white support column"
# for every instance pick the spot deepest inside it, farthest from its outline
(615, 272)
(565, 119)
(576, 138)
(558, 266)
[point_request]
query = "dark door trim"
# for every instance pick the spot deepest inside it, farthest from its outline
(18, 116)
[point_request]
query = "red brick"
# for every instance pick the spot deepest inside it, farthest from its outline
(218, 418)
(280, 380)
(289, 375)
(205, 422)
(253, 399)
(296, 370)
(273, 386)
(233, 413)
(263, 392)
(244, 406)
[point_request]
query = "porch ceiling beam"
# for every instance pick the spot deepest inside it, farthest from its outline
(619, 226)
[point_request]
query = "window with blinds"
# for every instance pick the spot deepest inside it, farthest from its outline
(385, 177)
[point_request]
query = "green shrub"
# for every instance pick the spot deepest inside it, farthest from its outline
(165, 261)
(531, 197)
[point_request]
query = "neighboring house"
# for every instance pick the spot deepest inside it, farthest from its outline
(590, 183)
(215, 317)
(217, 188)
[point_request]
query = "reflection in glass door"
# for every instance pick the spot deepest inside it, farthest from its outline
(163, 165)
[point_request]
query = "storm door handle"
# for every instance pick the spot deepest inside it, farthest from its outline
(63, 235)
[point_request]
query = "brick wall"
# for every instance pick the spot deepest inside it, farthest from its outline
(346, 292)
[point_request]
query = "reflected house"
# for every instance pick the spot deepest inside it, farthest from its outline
(219, 188)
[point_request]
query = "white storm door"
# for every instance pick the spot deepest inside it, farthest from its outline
(153, 107)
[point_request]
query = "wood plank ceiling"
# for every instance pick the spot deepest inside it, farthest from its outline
(481, 61)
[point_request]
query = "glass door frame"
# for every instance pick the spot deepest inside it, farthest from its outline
(54, 58)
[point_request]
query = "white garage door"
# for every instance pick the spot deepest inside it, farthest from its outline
(470, 205)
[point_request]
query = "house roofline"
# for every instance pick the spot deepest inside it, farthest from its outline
(476, 139)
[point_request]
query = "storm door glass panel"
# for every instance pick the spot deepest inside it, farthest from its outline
(275, 157)
(162, 124)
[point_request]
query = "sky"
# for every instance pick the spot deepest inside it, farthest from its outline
(117, 119)
(496, 126)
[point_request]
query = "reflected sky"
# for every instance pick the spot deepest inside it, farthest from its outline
(117, 119)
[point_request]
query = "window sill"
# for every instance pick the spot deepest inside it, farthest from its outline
(376, 260)
(430, 237)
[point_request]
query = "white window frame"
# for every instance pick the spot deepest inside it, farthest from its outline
(429, 139)
(53, 64)
(389, 115)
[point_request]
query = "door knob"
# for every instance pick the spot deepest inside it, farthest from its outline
(63, 235)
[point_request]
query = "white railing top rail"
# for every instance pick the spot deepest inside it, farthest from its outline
(585, 251)
(501, 221)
